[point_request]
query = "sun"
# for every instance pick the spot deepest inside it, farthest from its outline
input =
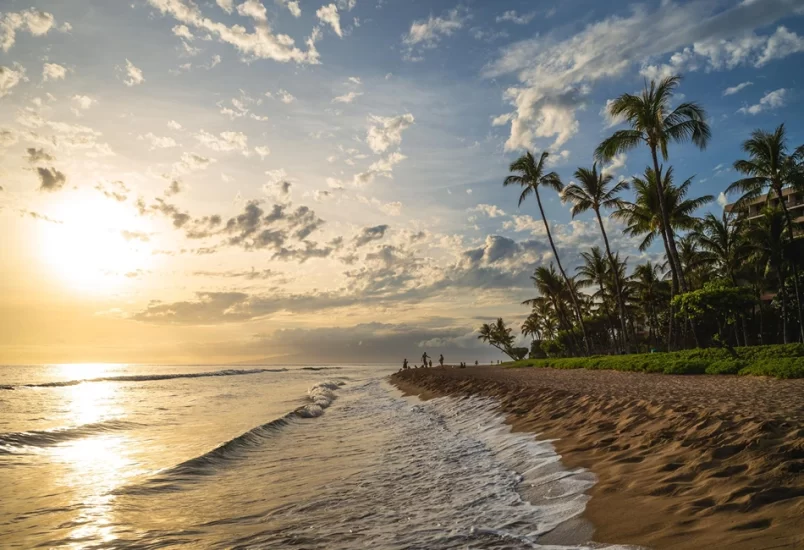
(98, 246)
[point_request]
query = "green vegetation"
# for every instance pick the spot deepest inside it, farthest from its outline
(727, 286)
(782, 361)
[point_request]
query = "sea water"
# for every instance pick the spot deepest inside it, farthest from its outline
(119, 456)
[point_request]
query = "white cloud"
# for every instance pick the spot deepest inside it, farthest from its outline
(426, 34)
(225, 141)
(253, 9)
(490, 210)
(191, 162)
(284, 96)
(226, 5)
(173, 125)
(355, 80)
(347, 5)
(329, 14)
(83, 102)
(722, 199)
(9, 78)
(385, 132)
(555, 73)
(262, 151)
(260, 44)
(292, 6)
(383, 167)
(158, 142)
(512, 16)
(347, 98)
(182, 31)
(616, 164)
(32, 20)
(133, 74)
(771, 100)
(53, 71)
(557, 159)
(734, 89)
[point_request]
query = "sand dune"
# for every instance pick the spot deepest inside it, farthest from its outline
(683, 462)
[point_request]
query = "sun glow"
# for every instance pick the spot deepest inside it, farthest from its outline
(97, 247)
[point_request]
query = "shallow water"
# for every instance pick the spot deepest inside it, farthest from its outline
(198, 457)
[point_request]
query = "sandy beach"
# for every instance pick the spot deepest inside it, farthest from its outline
(683, 462)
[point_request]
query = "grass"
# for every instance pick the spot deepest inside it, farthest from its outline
(782, 361)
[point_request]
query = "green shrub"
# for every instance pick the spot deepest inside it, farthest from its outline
(781, 361)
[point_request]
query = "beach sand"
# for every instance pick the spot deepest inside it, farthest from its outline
(683, 462)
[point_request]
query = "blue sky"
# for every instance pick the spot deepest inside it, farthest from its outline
(248, 175)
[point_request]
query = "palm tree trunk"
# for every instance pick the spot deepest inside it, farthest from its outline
(789, 220)
(614, 339)
(784, 302)
(616, 274)
(673, 289)
(563, 274)
(675, 263)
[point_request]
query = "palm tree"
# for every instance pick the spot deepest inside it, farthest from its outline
(724, 248)
(595, 271)
(593, 193)
(767, 236)
(530, 175)
(651, 292)
(770, 168)
(692, 261)
(532, 326)
(654, 123)
(499, 336)
(552, 287)
(643, 217)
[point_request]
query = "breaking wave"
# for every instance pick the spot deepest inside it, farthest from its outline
(320, 395)
(19, 441)
(152, 377)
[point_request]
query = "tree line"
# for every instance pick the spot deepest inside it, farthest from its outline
(729, 280)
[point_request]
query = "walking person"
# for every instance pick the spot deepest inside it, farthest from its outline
(425, 357)
(441, 359)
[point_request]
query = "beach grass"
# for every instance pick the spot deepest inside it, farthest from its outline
(778, 361)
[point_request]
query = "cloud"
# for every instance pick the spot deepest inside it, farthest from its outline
(260, 44)
(9, 78)
(182, 31)
(175, 187)
(616, 164)
(369, 234)
(50, 179)
(173, 125)
(38, 155)
(262, 151)
(191, 162)
(490, 210)
(292, 6)
(722, 199)
(771, 100)
(555, 73)
(224, 142)
(734, 89)
(383, 167)
(347, 98)
(83, 102)
(253, 9)
(512, 16)
(427, 34)
(32, 20)
(355, 80)
(251, 275)
(157, 142)
(53, 71)
(329, 15)
(116, 190)
(385, 132)
(135, 236)
(284, 96)
(133, 75)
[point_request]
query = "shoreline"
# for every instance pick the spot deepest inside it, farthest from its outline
(682, 462)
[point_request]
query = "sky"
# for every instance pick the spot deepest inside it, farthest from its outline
(315, 181)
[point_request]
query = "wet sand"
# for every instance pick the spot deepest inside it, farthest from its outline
(683, 462)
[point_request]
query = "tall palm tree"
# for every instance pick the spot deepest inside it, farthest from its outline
(654, 123)
(592, 193)
(530, 175)
(770, 168)
(551, 286)
(532, 326)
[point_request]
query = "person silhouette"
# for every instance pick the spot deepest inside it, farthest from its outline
(405, 363)
(441, 359)
(425, 357)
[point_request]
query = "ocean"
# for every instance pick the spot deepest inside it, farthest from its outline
(124, 456)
